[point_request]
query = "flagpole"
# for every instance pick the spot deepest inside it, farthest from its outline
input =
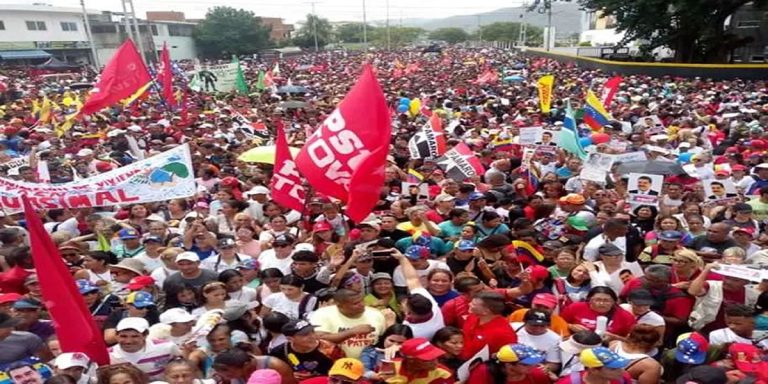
(87, 23)
(365, 29)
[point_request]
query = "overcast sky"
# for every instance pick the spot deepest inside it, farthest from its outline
(295, 10)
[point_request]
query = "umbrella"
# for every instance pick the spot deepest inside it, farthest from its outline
(292, 89)
(510, 79)
(653, 167)
(265, 154)
(80, 85)
(293, 104)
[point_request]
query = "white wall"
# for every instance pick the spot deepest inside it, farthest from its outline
(601, 36)
(180, 47)
(16, 28)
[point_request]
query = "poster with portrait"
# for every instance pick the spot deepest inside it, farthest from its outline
(596, 167)
(530, 135)
(652, 124)
(644, 189)
(548, 141)
(719, 191)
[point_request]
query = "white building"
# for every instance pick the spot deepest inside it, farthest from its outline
(34, 32)
(178, 36)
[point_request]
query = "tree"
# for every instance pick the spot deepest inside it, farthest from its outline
(449, 35)
(227, 31)
(398, 36)
(508, 31)
(694, 29)
(352, 32)
(305, 36)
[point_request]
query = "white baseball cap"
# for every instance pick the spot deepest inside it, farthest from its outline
(138, 324)
(176, 315)
(85, 152)
(189, 256)
(257, 190)
(71, 359)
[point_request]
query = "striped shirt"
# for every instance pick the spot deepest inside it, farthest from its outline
(150, 360)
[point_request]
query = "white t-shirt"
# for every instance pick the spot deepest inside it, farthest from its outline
(214, 263)
(245, 295)
(279, 303)
(613, 281)
(428, 328)
(330, 320)
(150, 263)
(590, 250)
(399, 279)
(725, 335)
(160, 274)
(267, 259)
(150, 360)
(547, 343)
(650, 318)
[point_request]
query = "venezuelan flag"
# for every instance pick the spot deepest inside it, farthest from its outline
(414, 177)
(525, 250)
(502, 144)
(595, 114)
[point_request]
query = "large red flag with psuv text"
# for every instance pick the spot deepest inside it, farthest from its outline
(122, 77)
(165, 76)
(75, 328)
(346, 156)
(287, 186)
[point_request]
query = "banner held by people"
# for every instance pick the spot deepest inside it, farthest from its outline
(460, 163)
(545, 85)
(429, 141)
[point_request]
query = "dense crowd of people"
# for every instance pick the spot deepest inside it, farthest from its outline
(530, 273)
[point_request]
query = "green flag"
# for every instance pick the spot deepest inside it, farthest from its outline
(567, 140)
(260, 84)
(240, 83)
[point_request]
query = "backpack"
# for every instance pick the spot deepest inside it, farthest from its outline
(307, 304)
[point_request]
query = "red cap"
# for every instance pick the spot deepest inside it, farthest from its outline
(10, 298)
(103, 166)
(420, 348)
(738, 167)
(757, 144)
(537, 273)
(322, 226)
(732, 150)
(140, 282)
(749, 231)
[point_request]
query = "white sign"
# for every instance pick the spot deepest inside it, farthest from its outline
(214, 78)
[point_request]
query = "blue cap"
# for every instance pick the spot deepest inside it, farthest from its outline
(155, 239)
(417, 252)
(519, 353)
(85, 286)
(466, 245)
(140, 299)
(126, 234)
(599, 357)
(27, 304)
(477, 196)
(249, 264)
(691, 348)
(670, 236)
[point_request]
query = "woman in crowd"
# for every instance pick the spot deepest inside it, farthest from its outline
(601, 313)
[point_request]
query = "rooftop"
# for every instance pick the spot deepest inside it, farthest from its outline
(43, 8)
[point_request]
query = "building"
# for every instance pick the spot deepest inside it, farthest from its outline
(599, 30)
(752, 25)
(165, 16)
(31, 34)
(178, 36)
(279, 31)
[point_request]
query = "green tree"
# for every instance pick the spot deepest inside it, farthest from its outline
(399, 36)
(450, 35)
(352, 32)
(228, 31)
(509, 31)
(694, 29)
(305, 36)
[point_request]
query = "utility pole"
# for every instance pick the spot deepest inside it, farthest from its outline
(87, 23)
(479, 28)
(550, 35)
(127, 22)
(314, 24)
(138, 32)
(365, 29)
(389, 37)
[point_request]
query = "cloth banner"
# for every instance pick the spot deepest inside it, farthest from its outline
(460, 163)
(162, 177)
(214, 78)
(429, 141)
(544, 85)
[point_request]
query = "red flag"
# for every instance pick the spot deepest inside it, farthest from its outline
(609, 90)
(461, 163)
(75, 327)
(350, 148)
(287, 187)
(122, 77)
(165, 75)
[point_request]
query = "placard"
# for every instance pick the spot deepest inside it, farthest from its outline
(644, 189)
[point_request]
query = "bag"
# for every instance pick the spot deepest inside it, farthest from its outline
(308, 304)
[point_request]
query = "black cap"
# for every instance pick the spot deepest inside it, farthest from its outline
(296, 327)
(537, 317)
(609, 249)
(742, 207)
(308, 256)
(227, 242)
(641, 296)
(284, 239)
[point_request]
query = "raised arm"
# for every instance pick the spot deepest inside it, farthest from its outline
(409, 272)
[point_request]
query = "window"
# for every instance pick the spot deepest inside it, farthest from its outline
(36, 26)
(103, 29)
(154, 30)
(68, 27)
(748, 24)
(179, 30)
(2, 26)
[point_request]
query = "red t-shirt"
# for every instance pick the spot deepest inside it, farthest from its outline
(678, 304)
(535, 376)
(729, 297)
(626, 379)
(455, 310)
(12, 280)
(495, 333)
(579, 313)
